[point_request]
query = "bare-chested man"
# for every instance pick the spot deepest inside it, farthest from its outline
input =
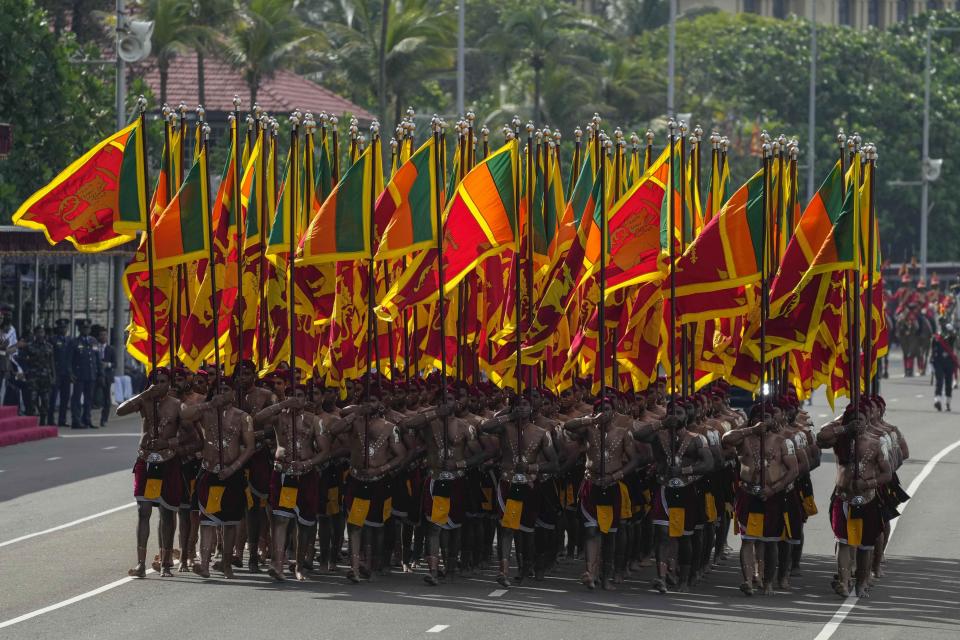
(375, 450)
(452, 447)
(228, 443)
(157, 478)
(294, 488)
(193, 390)
(891, 494)
(768, 464)
(855, 513)
(251, 400)
(681, 457)
(611, 455)
(522, 444)
(798, 497)
(710, 484)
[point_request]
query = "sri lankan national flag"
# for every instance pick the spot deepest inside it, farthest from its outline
(182, 232)
(633, 230)
(719, 180)
(340, 229)
(568, 262)
(478, 223)
(99, 201)
(406, 212)
(723, 259)
(278, 240)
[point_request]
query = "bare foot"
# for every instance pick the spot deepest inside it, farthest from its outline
(253, 566)
(352, 576)
(660, 585)
(587, 580)
(183, 567)
(332, 566)
(218, 565)
(165, 572)
(275, 574)
(431, 580)
(747, 588)
(768, 589)
(200, 570)
(299, 575)
(784, 584)
(139, 571)
(407, 568)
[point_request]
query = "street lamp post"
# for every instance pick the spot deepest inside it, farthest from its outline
(926, 164)
(118, 267)
(671, 56)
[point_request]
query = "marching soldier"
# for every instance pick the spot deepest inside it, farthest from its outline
(86, 367)
(62, 346)
(36, 359)
(943, 357)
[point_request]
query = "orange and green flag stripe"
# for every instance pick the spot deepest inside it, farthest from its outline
(406, 212)
(131, 214)
(182, 232)
(278, 242)
(250, 193)
(340, 229)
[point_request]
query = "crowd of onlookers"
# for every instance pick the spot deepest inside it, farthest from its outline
(47, 371)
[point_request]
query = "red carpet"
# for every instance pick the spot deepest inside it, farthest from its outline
(15, 429)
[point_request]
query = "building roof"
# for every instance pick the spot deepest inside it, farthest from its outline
(280, 94)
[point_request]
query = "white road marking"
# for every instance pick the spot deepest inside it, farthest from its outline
(101, 435)
(54, 458)
(68, 601)
(69, 524)
(822, 415)
(497, 593)
(437, 628)
(919, 395)
(831, 627)
(894, 399)
(109, 448)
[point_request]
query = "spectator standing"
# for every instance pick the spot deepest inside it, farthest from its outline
(8, 362)
(105, 381)
(62, 347)
(36, 359)
(86, 367)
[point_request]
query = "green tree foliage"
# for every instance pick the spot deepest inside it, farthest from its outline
(57, 109)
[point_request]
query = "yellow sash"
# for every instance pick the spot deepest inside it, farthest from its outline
(387, 508)
(810, 506)
(358, 512)
(854, 531)
(214, 497)
(755, 525)
(153, 488)
(440, 512)
(604, 517)
(487, 499)
(511, 514)
(678, 519)
(711, 506)
(333, 501)
(288, 498)
(626, 506)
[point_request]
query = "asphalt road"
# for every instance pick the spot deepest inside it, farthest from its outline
(71, 582)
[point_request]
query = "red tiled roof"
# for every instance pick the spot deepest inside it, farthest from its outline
(281, 94)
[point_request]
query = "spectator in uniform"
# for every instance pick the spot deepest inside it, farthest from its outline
(36, 359)
(104, 385)
(85, 367)
(943, 357)
(62, 346)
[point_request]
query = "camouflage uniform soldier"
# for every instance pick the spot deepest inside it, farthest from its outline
(36, 359)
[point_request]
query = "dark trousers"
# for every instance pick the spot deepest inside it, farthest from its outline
(61, 390)
(36, 395)
(943, 375)
(102, 391)
(82, 388)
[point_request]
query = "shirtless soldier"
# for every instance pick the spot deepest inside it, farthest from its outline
(228, 442)
(681, 456)
(191, 442)
(452, 447)
(522, 443)
(294, 487)
(854, 508)
(251, 400)
(157, 479)
(375, 450)
(611, 455)
(768, 465)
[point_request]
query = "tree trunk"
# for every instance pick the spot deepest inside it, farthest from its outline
(382, 84)
(536, 95)
(164, 68)
(201, 79)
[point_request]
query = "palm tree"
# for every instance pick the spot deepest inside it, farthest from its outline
(385, 49)
(542, 33)
(172, 32)
(210, 20)
(268, 38)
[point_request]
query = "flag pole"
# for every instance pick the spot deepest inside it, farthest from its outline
(437, 132)
(239, 234)
(148, 230)
(262, 211)
(167, 160)
(685, 373)
(604, 145)
(871, 153)
(671, 248)
(214, 303)
(694, 185)
(527, 255)
(619, 158)
(766, 150)
(293, 183)
(854, 145)
(514, 134)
